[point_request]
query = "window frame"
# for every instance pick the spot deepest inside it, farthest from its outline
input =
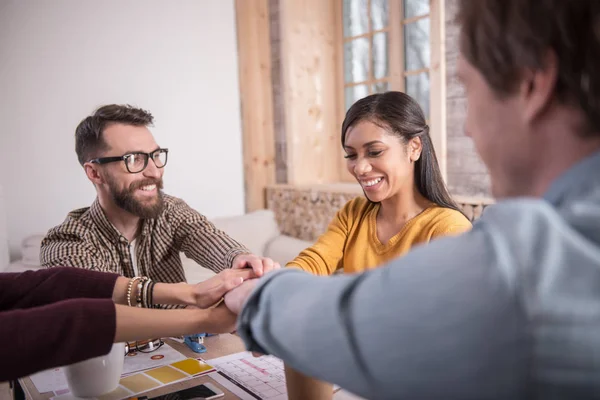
(397, 74)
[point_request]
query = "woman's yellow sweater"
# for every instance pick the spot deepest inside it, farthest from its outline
(351, 242)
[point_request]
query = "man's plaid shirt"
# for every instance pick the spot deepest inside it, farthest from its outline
(86, 239)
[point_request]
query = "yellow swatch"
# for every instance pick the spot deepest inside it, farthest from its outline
(191, 366)
(166, 374)
(138, 383)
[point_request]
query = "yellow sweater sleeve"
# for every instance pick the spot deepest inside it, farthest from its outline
(325, 256)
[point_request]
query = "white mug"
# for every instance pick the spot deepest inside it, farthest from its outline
(96, 376)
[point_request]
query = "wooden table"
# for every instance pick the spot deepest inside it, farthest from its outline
(217, 346)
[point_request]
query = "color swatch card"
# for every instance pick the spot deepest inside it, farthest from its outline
(138, 361)
(54, 380)
(145, 381)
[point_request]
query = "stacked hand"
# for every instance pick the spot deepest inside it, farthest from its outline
(260, 265)
(245, 267)
(236, 298)
(235, 285)
(210, 291)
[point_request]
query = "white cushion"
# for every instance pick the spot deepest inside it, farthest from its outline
(30, 249)
(254, 230)
(284, 249)
(194, 272)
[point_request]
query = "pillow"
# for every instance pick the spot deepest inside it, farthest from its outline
(254, 230)
(30, 250)
(284, 249)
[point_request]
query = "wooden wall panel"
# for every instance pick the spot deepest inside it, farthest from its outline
(254, 57)
(437, 79)
(309, 52)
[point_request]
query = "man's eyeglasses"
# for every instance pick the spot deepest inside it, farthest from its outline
(143, 346)
(137, 161)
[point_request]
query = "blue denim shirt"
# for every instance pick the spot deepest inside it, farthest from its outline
(509, 310)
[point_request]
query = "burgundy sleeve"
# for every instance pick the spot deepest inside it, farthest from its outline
(35, 288)
(58, 334)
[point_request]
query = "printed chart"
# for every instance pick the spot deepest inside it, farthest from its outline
(263, 376)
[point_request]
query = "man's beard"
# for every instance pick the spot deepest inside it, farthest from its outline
(125, 198)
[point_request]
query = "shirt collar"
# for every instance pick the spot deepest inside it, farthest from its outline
(578, 176)
(100, 219)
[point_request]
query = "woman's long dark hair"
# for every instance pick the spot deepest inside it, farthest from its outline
(402, 116)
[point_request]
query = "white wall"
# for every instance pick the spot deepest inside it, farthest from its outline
(61, 59)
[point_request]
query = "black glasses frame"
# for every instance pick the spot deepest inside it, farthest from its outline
(106, 160)
(145, 346)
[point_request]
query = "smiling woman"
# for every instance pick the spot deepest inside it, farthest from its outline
(390, 153)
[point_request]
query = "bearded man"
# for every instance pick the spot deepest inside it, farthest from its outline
(133, 228)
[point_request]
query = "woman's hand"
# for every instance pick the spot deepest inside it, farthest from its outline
(210, 291)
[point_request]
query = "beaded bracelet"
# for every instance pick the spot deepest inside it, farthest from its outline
(129, 289)
(140, 291)
(145, 299)
(150, 294)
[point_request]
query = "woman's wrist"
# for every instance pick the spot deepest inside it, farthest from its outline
(173, 293)
(215, 320)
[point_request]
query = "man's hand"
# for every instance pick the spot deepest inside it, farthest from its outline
(236, 298)
(210, 291)
(260, 265)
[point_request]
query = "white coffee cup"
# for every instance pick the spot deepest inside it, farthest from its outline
(96, 376)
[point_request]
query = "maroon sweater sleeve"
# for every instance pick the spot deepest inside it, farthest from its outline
(54, 317)
(58, 334)
(34, 288)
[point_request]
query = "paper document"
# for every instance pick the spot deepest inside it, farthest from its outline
(263, 376)
(52, 380)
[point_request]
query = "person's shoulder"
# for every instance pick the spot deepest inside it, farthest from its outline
(78, 218)
(517, 212)
(176, 209)
(174, 204)
(523, 223)
(445, 220)
(171, 201)
(77, 224)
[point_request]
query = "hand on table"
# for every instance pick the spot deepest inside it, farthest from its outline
(260, 265)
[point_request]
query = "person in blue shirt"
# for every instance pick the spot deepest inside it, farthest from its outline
(511, 309)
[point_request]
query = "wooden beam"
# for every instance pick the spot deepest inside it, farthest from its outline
(341, 88)
(309, 65)
(437, 82)
(256, 94)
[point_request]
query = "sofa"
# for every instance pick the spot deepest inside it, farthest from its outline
(257, 230)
